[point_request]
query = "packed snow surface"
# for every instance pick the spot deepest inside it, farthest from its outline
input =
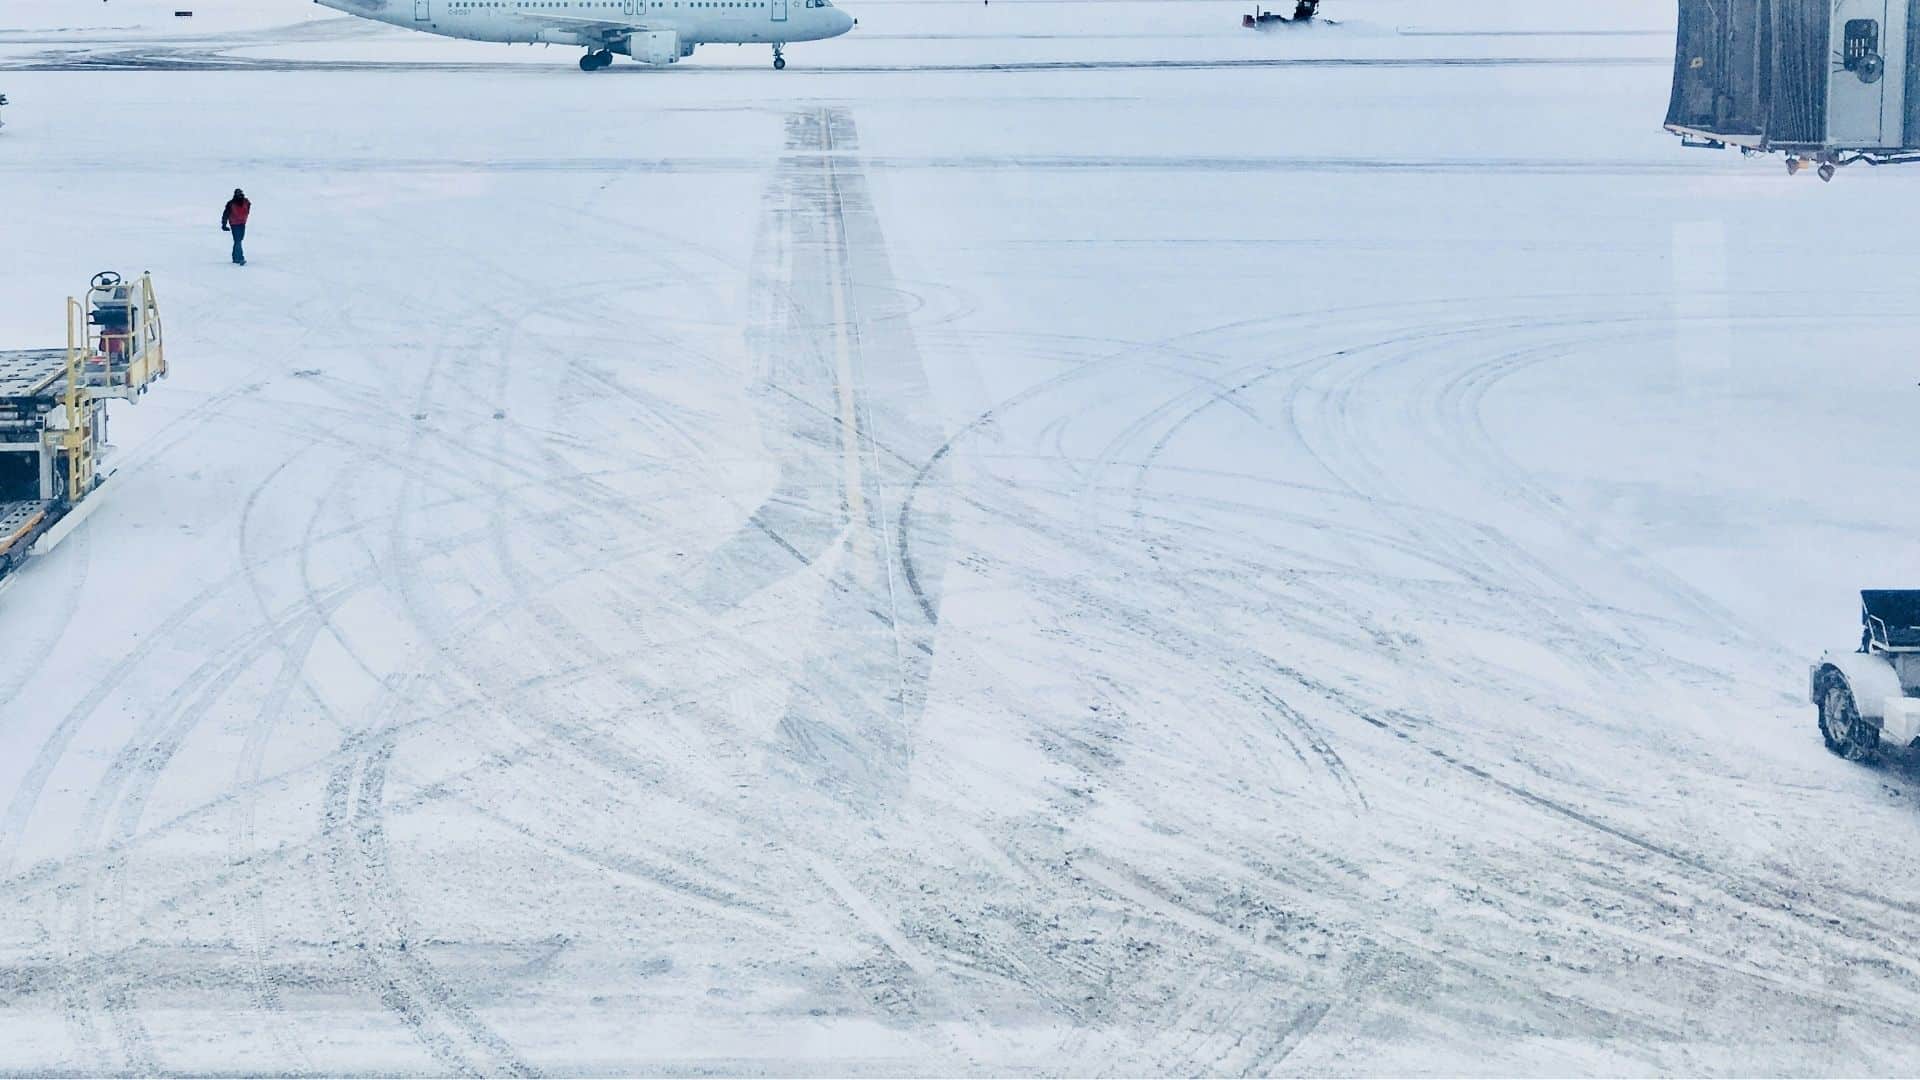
(1045, 538)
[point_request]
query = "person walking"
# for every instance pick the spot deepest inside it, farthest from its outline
(233, 219)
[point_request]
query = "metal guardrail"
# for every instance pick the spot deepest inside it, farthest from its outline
(115, 348)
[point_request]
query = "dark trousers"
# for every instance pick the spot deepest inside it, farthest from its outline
(239, 236)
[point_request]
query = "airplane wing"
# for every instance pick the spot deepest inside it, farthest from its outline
(606, 29)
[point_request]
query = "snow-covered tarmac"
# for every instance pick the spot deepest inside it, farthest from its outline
(1046, 538)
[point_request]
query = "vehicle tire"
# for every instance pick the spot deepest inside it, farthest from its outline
(779, 63)
(1842, 728)
(589, 62)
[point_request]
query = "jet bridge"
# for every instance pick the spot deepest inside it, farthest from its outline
(53, 415)
(1824, 82)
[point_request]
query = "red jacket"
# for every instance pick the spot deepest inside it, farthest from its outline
(236, 212)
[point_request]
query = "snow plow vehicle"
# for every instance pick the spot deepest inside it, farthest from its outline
(1871, 696)
(1304, 12)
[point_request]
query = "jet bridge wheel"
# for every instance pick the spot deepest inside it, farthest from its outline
(1841, 727)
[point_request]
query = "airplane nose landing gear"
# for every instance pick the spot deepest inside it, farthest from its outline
(779, 61)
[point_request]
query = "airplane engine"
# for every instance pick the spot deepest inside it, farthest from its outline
(653, 47)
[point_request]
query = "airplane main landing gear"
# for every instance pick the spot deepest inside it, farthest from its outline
(594, 61)
(779, 61)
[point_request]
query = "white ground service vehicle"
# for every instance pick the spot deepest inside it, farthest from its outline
(1872, 696)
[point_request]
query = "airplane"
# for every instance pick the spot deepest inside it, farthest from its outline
(650, 31)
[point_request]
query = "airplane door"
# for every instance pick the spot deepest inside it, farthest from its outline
(1859, 93)
(779, 9)
(420, 12)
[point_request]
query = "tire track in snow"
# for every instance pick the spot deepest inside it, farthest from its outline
(249, 902)
(819, 226)
(1470, 548)
(100, 896)
(1781, 904)
(435, 626)
(1459, 405)
(353, 816)
(135, 771)
(1305, 1017)
(128, 780)
(26, 796)
(131, 809)
(469, 622)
